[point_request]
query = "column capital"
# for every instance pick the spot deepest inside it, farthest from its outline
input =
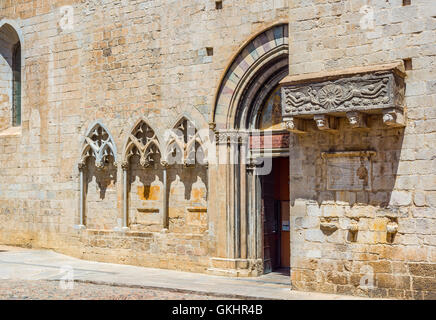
(252, 164)
(81, 165)
(232, 136)
(125, 165)
(164, 164)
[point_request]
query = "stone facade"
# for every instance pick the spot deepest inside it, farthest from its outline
(115, 63)
(335, 35)
(111, 90)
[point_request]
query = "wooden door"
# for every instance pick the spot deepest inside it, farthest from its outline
(275, 216)
(285, 240)
(271, 234)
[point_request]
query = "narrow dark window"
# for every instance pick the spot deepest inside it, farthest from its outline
(16, 85)
(407, 2)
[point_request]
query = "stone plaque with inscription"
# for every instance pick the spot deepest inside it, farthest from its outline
(348, 171)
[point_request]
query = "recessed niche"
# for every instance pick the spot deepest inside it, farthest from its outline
(408, 64)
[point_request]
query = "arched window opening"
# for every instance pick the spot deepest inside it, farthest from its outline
(16, 85)
(10, 77)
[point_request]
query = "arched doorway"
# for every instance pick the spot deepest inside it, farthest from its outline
(247, 119)
(274, 191)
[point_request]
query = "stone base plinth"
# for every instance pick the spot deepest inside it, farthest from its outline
(235, 267)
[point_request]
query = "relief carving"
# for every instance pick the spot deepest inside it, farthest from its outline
(350, 92)
(346, 94)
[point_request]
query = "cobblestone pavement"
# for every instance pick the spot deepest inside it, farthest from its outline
(49, 290)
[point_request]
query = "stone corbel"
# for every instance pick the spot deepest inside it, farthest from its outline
(295, 125)
(356, 119)
(325, 122)
(393, 118)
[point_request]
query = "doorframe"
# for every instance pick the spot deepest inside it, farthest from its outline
(257, 155)
(275, 155)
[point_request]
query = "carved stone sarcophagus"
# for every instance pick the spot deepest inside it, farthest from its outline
(350, 93)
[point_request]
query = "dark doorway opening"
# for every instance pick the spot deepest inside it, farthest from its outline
(275, 217)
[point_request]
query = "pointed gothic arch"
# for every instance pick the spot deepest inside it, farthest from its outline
(99, 144)
(143, 142)
(183, 142)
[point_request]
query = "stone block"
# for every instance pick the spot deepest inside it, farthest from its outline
(400, 198)
(314, 235)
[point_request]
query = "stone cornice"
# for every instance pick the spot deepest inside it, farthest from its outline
(396, 67)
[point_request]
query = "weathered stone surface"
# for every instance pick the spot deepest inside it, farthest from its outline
(133, 60)
(362, 92)
(403, 180)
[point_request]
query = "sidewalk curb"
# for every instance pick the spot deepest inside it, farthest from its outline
(177, 290)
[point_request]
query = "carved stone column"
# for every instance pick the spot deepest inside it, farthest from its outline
(81, 224)
(252, 211)
(232, 140)
(243, 197)
(165, 215)
(242, 214)
(125, 167)
(255, 244)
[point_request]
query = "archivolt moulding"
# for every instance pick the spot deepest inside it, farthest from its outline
(265, 49)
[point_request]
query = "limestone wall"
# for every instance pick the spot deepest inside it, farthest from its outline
(120, 61)
(116, 62)
(333, 35)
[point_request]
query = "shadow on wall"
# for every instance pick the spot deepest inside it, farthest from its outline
(310, 176)
(101, 195)
(103, 178)
(188, 176)
(146, 177)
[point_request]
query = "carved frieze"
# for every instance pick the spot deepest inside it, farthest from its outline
(359, 93)
(364, 90)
